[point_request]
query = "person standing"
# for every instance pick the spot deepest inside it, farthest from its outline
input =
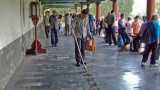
(101, 26)
(129, 26)
(46, 23)
(97, 26)
(111, 28)
(67, 24)
(154, 34)
(80, 29)
(54, 25)
(106, 27)
(136, 25)
(94, 27)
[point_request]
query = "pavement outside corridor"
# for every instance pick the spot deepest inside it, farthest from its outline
(108, 69)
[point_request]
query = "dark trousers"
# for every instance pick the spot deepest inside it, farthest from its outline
(148, 48)
(136, 43)
(47, 28)
(106, 35)
(158, 52)
(81, 43)
(67, 30)
(112, 35)
(54, 36)
(100, 30)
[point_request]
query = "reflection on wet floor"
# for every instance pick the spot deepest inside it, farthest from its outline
(132, 80)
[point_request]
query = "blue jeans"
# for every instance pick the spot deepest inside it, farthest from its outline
(125, 37)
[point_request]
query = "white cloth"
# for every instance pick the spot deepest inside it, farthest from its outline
(129, 27)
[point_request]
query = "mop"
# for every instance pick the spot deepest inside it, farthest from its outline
(84, 66)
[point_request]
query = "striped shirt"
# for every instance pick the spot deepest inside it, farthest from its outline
(80, 27)
(91, 19)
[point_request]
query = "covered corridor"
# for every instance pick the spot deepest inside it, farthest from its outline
(108, 69)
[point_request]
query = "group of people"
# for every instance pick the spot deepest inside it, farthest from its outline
(68, 19)
(52, 23)
(84, 25)
(76, 25)
(134, 33)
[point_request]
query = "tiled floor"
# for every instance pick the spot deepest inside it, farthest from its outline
(108, 69)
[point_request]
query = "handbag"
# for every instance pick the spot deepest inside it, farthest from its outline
(90, 44)
(120, 41)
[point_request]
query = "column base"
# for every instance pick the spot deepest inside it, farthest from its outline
(33, 50)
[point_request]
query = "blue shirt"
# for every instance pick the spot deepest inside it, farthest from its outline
(154, 30)
(91, 19)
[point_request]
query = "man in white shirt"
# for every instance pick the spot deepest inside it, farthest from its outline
(80, 30)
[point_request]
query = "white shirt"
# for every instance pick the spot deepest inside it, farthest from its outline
(129, 27)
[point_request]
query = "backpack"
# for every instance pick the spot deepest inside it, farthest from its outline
(145, 34)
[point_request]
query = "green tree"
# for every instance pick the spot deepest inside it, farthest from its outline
(158, 7)
(125, 6)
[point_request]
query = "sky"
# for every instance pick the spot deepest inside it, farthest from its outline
(139, 7)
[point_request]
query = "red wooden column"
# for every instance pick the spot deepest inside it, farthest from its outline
(76, 8)
(115, 7)
(88, 6)
(150, 9)
(98, 14)
(81, 7)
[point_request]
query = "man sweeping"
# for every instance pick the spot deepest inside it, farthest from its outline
(80, 30)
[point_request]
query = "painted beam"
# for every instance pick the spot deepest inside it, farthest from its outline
(63, 0)
(58, 6)
(66, 3)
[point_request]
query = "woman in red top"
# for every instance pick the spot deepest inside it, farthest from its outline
(136, 25)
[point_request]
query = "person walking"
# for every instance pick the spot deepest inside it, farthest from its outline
(154, 34)
(46, 24)
(54, 25)
(111, 28)
(80, 29)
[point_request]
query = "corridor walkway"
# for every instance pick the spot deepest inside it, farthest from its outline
(108, 69)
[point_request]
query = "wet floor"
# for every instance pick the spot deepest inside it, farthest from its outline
(108, 69)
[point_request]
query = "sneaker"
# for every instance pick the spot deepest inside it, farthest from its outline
(143, 64)
(154, 65)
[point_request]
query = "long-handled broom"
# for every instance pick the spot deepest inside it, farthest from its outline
(84, 66)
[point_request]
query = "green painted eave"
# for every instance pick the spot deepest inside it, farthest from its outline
(66, 3)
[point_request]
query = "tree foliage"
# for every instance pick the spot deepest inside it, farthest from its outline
(125, 6)
(158, 7)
